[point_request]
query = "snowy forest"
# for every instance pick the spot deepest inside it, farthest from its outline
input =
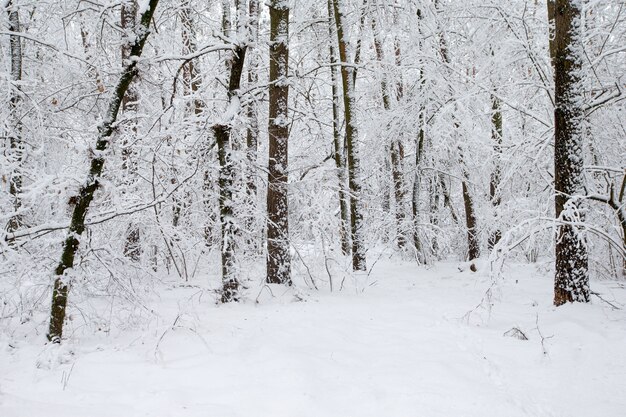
(313, 208)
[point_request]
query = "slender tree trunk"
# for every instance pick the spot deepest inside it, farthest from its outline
(278, 253)
(419, 155)
(16, 143)
(494, 183)
(348, 76)
(252, 133)
(132, 246)
(396, 148)
(191, 78)
(473, 246)
(338, 143)
(86, 192)
(571, 282)
(415, 199)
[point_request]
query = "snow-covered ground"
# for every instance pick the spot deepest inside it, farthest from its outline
(405, 346)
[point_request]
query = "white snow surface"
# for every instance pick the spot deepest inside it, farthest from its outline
(405, 346)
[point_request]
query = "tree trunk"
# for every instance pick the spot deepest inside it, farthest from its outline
(396, 149)
(338, 143)
(419, 155)
(278, 253)
(494, 183)
(132, 246)
(191, 77)
(348, 76)
(571, 282)
(252, 133)
(415, 198)
(86, 192)
(15, 126)
(222, 132)
(473, 247)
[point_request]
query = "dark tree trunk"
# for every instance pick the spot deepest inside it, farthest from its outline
(494, 183)
(222, 132)
(348, 77)
(473, 247)
(415, 199)
(571, 282)
(86, 192)
(338, 143)
(278, 253)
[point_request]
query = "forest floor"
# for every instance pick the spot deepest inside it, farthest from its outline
(411, 342)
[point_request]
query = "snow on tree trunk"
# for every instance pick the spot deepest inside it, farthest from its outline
(222, 133)
(278, 253)
(86, 192)
(16, 145)
(252, 133)
(494, 183)
(130, 104)
(571, 282)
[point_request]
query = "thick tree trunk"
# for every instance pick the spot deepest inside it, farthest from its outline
(278, 253)
(338, 143)
(348, 75)
(494, 183)
(222, 132)
(16, 143)
(86, 192)
(571, 282)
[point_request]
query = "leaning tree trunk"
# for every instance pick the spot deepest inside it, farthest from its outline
(571, 281)
(15, 127)
(348, 75)
(222, 133)
(338, 142)
(86, 192)
(278, 253)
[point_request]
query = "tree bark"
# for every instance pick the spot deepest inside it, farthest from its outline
(348, 76)
(128, 15)
(222, 133)
(16, 143)
(338, 143)
(191, 78)
(571, 281)
(86, 192)
(252, 132)
(396, 148)
(494, 183)
(278, 253)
